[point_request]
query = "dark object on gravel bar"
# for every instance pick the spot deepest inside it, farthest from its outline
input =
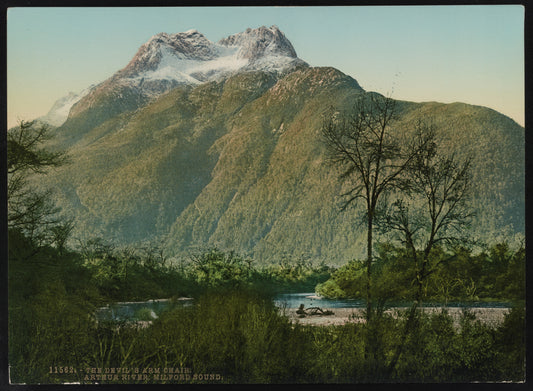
(312, 311)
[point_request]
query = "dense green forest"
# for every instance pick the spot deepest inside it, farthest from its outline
(233, 333)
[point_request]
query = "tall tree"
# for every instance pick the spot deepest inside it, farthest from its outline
(435, 213)
(31, 210)
(372, 153)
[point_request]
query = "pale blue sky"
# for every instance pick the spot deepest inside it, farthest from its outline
(471, 54)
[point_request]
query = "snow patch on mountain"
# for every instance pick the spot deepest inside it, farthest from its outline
(173, 66)
(166, 61)
(58, 114)
(190, 58)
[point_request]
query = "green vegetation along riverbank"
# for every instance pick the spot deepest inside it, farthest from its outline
(234, 329)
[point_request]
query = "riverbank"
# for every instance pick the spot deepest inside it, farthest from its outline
(488, 315)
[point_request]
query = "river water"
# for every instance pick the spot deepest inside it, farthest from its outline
(149, 310)
(139, 310)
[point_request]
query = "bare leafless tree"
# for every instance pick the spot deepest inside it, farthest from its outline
(434, 214)
(366, 144)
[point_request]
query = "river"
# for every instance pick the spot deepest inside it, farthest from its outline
(151, 309)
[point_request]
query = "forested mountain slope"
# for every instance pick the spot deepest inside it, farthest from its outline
(239, 163)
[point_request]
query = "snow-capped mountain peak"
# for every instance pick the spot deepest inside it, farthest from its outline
(189, 57)
(190, 45)
(168, 60)
(256, 43)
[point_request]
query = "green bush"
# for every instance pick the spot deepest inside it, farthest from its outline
(496, 274)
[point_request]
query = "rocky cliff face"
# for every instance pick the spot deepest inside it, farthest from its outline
(254, 44)
(190, 45)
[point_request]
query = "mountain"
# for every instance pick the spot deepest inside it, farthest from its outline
(190, 58)
(169, 60)
(237, 161)
(58, 114)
